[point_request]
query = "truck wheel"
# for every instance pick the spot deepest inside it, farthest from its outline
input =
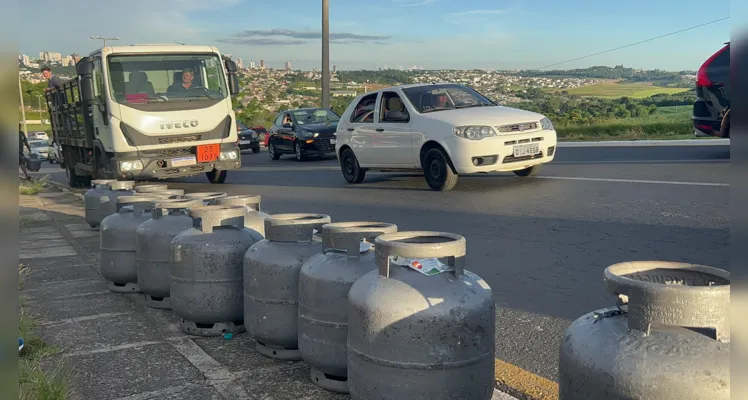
(437, 171)
(216, 176)
(529, 171)
(73, 179)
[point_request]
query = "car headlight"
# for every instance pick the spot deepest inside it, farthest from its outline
(130, 165)
(227, 155)
(474, 132)
(546, 124)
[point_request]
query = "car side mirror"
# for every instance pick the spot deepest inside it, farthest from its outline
(287, 125)
(396, 115)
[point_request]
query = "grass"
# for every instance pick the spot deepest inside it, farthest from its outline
(609, 90)
(34, 186)
(653, 128)
(39, 128)
(36, 382)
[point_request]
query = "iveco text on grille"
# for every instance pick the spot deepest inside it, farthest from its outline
(179, 124)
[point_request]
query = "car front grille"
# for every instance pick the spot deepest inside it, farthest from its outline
(323, 144)
(523, 141)
(512, 159)
(523, 127)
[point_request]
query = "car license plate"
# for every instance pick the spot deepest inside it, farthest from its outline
(183, 161)
(208, 152)
(245, 141)
(524, 150)
(333, 141)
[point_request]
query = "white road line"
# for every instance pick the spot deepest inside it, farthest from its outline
(644, 143)
(643, 162)
(574, 178)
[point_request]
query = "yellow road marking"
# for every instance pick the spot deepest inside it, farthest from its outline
(524, 384)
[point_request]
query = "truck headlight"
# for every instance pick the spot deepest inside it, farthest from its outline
(546, 124)
(474, 132)
(227, 155)
(130, 165)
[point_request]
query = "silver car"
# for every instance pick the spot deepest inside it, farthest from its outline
(40, 148)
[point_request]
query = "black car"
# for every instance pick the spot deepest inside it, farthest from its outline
(711, 111)
(248, 139)
(303, 132)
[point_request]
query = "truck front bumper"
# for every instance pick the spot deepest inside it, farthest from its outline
(173, 163)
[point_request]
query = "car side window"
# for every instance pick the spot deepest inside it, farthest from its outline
(279, 119)
(364, 110)
(391, 101)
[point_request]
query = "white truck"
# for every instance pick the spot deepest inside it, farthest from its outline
(144, 112)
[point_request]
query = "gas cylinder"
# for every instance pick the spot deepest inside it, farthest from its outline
(254, 220)
(208, 198)
(109, 194)
(92, 200)
(324, 282)
(271, 282)
(149, 188)
(667, 338)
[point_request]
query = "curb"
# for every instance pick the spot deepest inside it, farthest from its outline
(643, 143)
(65, 189)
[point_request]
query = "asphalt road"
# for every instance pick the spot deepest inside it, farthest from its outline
(541, 243)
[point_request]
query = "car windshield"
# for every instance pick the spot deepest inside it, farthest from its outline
(166, 78)
(318, 116)
(241, 126)
(39, 143)
(429, 98)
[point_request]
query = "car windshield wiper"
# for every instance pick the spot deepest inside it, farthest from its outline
(473, 105)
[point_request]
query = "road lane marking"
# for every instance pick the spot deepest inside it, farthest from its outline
(517, 382)
(647, 143)
(643, 162)
(576, 178)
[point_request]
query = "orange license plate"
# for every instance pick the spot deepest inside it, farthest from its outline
(208, 152)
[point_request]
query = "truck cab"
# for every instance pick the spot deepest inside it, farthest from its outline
(146, 112)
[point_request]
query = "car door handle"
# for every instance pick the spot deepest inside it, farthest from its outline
(351, 129)
(380, 130)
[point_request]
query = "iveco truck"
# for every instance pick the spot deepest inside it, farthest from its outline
(145, 112)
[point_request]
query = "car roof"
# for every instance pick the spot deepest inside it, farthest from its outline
(410, 86)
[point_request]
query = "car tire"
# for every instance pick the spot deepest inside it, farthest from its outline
(272, 151)
(216, 176)
(529, 171)
(438, 171)
(298, 152)
(352, 171)
(256, 149)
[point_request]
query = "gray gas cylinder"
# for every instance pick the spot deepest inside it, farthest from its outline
(208, 198)
(109, 194)
(667, 338)
(117, 243)
(150, 188)
(92, 200)
(324, 282)
(206, 271)
(254, 220)
(152, 252)
(271, 282)
(425, 335)
(172, 193)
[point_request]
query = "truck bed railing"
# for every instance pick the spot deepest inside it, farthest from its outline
(68, 115)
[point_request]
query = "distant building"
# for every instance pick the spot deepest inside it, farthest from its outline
(239, 63)
(252, 64)
(262, 64)
(288, 65)
(334, 69)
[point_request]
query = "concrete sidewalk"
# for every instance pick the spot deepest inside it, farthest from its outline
(116, 347)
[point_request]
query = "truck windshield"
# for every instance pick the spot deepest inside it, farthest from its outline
(150, 78)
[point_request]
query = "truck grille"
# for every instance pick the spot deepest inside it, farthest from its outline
(179, 139)
(185, 151)
(527, 126)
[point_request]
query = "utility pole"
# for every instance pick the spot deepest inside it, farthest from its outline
(325, 54)
(41, 117)
(105, 39)
(23, 112)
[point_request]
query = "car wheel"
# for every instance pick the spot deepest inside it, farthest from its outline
(352, 171)
(256, 149)
(300, 156)
(216, 176)
(437, 171)
(273, 154)
(529, 171)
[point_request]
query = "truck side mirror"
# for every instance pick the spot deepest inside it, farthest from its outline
(233, 79)
(85, 68)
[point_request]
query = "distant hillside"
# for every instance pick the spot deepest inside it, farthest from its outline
(619, 72)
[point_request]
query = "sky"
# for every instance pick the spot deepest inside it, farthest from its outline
(371, 34)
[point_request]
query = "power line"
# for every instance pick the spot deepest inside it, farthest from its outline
(634, 44)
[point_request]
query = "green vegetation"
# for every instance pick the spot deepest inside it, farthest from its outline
(36, 382)
(34, 186)
(639, 90)
(628, 75)
(386, 77)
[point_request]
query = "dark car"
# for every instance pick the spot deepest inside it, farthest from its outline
(262, 133)
(303, 132)
(248, 139)
(711, 111)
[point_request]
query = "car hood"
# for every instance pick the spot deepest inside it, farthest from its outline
(319, 128)
(491, 116)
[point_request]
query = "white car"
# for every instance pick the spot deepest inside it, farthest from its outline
(443, 129)
(40, 148)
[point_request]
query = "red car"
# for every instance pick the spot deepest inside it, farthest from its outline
(263, 133)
